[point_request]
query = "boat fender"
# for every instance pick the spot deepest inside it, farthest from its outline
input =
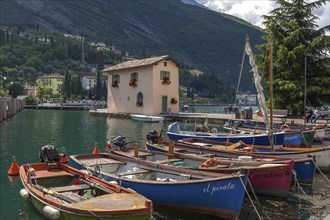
(208, 163)
(247, 149)
(24, 193)
(51, 212)
(285, 127)
(114, 182)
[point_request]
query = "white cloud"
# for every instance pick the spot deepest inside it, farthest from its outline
(252, 10)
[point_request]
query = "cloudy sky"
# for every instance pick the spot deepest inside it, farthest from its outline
(252, 10)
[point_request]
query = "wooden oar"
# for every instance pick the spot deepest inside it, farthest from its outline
(53, 193)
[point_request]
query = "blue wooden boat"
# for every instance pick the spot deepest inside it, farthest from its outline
(292, 138)
(211, 193)
(174, 133)
(304, 167)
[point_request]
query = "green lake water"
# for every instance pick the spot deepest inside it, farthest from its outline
(24, 134)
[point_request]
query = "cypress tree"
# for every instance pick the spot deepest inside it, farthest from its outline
(67, 84)
(99, 92)
(105, 90)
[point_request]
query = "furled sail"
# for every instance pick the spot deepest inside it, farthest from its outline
(257, 79)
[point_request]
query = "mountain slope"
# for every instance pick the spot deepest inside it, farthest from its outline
(199, 37)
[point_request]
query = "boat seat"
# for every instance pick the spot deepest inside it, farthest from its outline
(71, 188)
(168, 161)
(139, 171)
(99, 161)
(55, 172)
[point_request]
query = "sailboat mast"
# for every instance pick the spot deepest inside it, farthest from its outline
(270, 43)
(305, 88)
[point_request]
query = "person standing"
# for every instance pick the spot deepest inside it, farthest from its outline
(316, 115)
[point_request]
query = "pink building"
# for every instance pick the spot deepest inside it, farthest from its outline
(30, 90)
(147, 86)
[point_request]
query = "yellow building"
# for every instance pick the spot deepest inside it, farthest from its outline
(147, 86)
(53, 82)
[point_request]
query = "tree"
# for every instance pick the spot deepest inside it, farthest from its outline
(105, 90)
(292, 27)
(99, 92)
(15, 89)
(40, 91)
(67, 84)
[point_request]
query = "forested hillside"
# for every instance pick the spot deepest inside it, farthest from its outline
(199, 38)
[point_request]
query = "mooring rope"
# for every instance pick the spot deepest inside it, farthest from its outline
(250, 197)
(301, 189)
(296, 182)
(255, 196)
(325, 177)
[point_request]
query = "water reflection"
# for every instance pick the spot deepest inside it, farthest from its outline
(132, 130)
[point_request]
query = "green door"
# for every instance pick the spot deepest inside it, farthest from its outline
(164, 103)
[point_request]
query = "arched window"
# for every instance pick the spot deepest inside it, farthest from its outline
(139, 99)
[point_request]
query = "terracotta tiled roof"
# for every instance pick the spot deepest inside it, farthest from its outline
(136, 63)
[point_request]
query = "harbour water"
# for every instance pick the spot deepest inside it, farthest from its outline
(77, 131)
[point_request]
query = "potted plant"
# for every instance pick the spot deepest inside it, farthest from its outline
(138, 104)
(132, 82)
(166, 80)
(173, 101)
(115, 84)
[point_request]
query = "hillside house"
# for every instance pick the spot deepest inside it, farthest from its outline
(147, 86)
(53, 81)
(89, 82)
(247, 98)
(30, 90)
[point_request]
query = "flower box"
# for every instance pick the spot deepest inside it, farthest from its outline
(166, 80)
(114, 84)
(132, 83)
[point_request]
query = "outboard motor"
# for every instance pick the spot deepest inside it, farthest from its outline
(152, 136)
(120, 141)
(49, 154)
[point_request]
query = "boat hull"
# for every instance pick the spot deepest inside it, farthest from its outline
(274, 182)
(292, 139)
(65, 215)
(258, 139)
(146, 118)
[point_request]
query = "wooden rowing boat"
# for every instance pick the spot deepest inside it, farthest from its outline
(62, 192)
